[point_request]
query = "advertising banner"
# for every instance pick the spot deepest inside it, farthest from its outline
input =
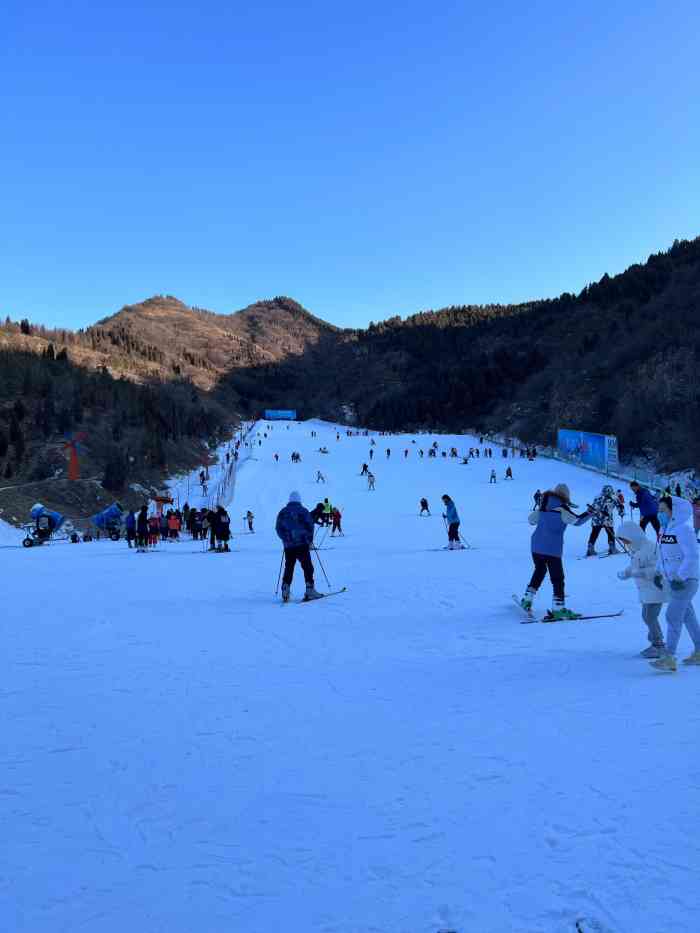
(598, 451)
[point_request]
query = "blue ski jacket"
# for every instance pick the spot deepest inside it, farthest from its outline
(548, 536)
(646, 502)
(451, 513)
(295, 526)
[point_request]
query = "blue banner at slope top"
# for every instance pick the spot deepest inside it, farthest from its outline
(275, 414)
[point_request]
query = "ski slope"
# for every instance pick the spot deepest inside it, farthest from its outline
(183, 753)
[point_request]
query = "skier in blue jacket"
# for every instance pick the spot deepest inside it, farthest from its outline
(295, 528)
(648, 506)
(554, 514)
(452, 518)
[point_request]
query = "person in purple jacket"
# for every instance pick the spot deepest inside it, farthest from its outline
(554, 514)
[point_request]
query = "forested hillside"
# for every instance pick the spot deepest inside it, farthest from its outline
(621, 357)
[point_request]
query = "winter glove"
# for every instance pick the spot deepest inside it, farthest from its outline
(658, 581)
(677, 585)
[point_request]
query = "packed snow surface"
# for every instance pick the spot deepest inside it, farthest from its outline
(183, 753)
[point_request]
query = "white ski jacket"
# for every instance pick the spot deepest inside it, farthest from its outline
(642, 565)
(678, 548)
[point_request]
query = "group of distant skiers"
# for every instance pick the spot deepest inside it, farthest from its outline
(665, 574)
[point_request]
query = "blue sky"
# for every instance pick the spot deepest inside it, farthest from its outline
(367, 159)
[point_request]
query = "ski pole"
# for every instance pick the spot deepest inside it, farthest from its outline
(279, 575)
(323, 570)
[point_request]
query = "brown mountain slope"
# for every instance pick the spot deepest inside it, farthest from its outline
(161, 339)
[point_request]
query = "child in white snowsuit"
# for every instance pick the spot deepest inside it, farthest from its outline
(641, 569)
(678, 565)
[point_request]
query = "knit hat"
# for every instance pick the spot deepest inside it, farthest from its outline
(562, 490)
(295, 497)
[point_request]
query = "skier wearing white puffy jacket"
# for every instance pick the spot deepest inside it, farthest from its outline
(642, 569)
(602, 511)
(677, 564)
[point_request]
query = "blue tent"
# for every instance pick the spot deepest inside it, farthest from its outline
(108, 517)
(55, 518)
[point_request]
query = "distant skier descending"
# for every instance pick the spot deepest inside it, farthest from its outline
(295, 528)
(552, 518)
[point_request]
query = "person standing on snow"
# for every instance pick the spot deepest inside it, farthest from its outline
(370, 481)
(295, 528)
(547, 543)
(648, 507)
(336, 516)
(677, 565)
(249, 518)
(222, 524)
(327, 511)
(424, 507)
(492, 477)
(451, 516)
(142, 528)
(130, 524)
(602, 511)
(642, 569)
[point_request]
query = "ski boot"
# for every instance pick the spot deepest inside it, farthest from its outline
(561, 614)
(311, 593)
(285, 592)
(590, 552)
(652, 653)
(692, 659)
(526, 601)
(666, 664)
(612, 550)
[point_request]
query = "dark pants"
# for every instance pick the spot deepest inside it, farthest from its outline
(652, 520)
(291, 556)
(544, 564)
(596, 530)
(141, 539)
(453, 531)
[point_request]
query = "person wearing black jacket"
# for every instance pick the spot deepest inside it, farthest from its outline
(222, 527)
(142, 529)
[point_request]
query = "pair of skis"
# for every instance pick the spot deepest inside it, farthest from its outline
(529, 616)
(316, 599)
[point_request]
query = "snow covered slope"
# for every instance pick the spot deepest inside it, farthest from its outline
(182, 753)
